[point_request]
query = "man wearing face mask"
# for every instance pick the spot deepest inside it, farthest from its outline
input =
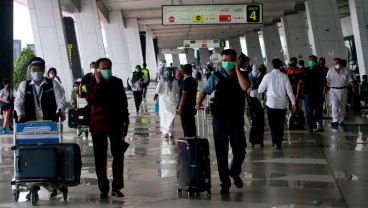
(313, 83)
(109, 118)
(87, 77)
(339, 80)
(39, 98)
(227, 110)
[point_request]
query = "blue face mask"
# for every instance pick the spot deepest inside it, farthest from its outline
(227, 65)
(106, 73)
(37, 76)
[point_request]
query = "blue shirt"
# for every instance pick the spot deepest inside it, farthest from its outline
(211, 84)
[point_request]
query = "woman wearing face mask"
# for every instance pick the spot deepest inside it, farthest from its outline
(136, 80)
(74, 95)
(53, 74)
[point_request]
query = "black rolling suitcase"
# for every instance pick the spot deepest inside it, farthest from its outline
(58, 163)
(193, 169)
(37, 164)
(257, 126)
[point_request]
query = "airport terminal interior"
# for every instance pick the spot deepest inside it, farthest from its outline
(324, 168)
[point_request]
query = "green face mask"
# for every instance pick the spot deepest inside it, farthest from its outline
(106, 73)
(312, 63)
(227, 65)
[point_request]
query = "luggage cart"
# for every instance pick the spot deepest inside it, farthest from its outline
(34, 132)
(82, 126)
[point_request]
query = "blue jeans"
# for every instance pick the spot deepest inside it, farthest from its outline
(227, 130)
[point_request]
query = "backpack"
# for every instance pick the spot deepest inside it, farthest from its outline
(198, 76)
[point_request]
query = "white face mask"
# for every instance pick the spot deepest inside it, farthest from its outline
(93, 70)
(338, 66)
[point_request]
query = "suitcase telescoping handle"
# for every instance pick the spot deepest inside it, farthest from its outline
(19, 164)
(198, 121)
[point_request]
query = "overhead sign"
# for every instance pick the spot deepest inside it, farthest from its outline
(204, 43)
(212, 14)
(173, 51)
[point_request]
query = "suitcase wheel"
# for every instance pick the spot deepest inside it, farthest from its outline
(208, 193)
(34, 197)
(16, 194)
(197, 194)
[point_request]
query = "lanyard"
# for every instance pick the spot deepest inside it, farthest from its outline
(38, 95)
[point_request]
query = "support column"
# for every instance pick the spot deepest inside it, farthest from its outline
(295, 30)
(205, 56)
(359, 19)
(176, 60)
(254, 48)
(150, 52)
(234, 43)
(134, 43)
(190, 56)
(325, 33)
(117, 45)
(272, 44)
(89, 34)
(161, 56)
(49, 37)
(6, 39)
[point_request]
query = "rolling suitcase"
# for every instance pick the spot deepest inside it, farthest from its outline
(193, 169)
(257, 126)
(37, 164)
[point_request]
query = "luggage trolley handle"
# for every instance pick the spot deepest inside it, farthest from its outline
(19, 164)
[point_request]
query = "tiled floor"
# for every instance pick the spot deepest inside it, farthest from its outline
(329, 166)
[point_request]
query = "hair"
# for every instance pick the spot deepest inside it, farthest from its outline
(6, 81)
(337, 59)
(144, 64)
(138, 66)
(76, 83)
(301, 62)
(103, 59)
(92, 63)
(171, 64)
(322, 58)
(276, 63)
(364, 76)
(52, 69)
(229, 52)
(314, 57)
(294, 59)
(187, 69)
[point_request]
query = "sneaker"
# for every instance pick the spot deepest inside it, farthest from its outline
(4, 131)
(237, 181)
(164, 135)
(225, 191)
(53, 193)
(334, 124)
(117, 194)
(103, 195)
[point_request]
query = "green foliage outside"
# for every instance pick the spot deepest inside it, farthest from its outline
(21, 65)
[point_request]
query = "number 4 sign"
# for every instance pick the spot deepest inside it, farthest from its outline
(253, 13)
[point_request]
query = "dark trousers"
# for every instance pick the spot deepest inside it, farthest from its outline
(257, 131)
(137, 99)
(225, 131)
(276, 120)
(100, 153)
(188, 124)
(145, 91)
(313, 108)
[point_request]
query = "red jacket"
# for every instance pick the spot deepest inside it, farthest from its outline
(109, 106)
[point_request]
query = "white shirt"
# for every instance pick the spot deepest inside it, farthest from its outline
(137, 84)
(20, 97)
(338, 80)
(277, 85)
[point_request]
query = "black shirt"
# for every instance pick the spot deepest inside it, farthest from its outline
(189, 85)
(313, 80)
